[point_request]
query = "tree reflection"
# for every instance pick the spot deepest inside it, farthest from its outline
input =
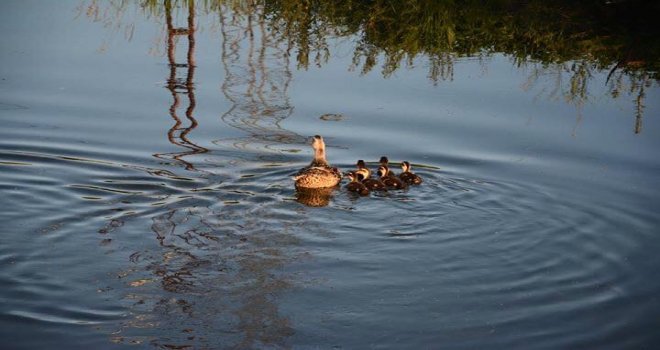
(215, 270)
(214, 280)
(564, 39)
(569, 40)
(177, 134)
(257, 79)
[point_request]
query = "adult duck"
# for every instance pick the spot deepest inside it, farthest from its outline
(319, 173)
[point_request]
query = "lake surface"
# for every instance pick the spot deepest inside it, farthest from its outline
(148, 202)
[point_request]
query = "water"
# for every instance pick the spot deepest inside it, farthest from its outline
(139, 210)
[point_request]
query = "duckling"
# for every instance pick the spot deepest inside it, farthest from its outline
(319, 173)
(362, 165)
(372, 184)
(407, 176)
(389, 180)
(384, 161)
(355, 185)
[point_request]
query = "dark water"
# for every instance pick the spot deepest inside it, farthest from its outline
(143, 210)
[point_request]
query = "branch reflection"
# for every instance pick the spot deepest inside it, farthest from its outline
(257, 79)
(177, 134)
(216, 269)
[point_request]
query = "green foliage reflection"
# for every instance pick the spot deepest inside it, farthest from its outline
(567, 37)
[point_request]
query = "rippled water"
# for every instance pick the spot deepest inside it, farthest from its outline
(137, 211)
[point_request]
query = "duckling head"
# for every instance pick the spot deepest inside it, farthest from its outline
(360, 164)
(351, 176)
(405, 166)
(365, 173)
(383, 170)
(384, 161)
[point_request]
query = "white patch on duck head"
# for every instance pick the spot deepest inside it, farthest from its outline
(383, 170)
(364, 173)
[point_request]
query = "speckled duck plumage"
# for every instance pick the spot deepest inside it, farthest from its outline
(319, 173)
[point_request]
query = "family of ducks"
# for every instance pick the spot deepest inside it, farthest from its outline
(319, 174)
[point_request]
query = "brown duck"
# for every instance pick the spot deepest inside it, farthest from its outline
(319, 173)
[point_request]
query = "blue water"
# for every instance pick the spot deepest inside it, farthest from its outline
(536, 226)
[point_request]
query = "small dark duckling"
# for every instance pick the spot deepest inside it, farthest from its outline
(389, 180)
(362, 165)
(372, 184)
(355, 185)
(408, 176)
(384, 161)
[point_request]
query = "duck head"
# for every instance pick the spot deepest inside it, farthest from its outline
(383, 170)
(384, 161)
(363, 167)
(352, 177)
(364, 173)
(317, 142)
(405, 166)
(319, 147)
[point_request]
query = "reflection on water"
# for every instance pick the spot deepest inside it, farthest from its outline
(314, 197)
(519, 237)
(179, 135)
(562, 57)
(590, 36)
(216, 271)
(216, 267)
(257, 79)
(572, 81)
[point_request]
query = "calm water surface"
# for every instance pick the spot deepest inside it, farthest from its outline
(147, 204)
